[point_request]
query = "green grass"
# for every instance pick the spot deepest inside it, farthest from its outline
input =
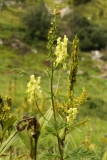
(13, 84)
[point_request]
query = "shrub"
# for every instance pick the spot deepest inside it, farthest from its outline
(78, 2)
(96, 107)
(92, 37)
(37, 22)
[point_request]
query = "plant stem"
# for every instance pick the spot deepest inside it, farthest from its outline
(10, 148)
(54, 113)
(35, 147)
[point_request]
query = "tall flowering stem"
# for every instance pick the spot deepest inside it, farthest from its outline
(52, 36)
(73, 69)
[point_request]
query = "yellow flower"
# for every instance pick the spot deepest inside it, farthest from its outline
(61, 51)
(72, 113)
(34, 89)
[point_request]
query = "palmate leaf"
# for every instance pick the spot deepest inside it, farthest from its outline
(13, 137)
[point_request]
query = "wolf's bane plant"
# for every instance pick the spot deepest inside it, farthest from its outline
(68, 109)
(59, 120)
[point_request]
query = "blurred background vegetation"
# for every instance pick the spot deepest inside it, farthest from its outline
(24, 27)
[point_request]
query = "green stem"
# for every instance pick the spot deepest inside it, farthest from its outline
(10, 148)
(54, 113)
(1, 123)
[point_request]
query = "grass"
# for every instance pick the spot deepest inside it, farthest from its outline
(13, 84)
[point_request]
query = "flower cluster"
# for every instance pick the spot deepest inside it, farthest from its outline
(61, 51)
(61, 108)
(74, 104)
(72, 113)
(34, 89)
(5, 108)
(70, 109)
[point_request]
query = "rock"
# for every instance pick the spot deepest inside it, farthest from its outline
(10, 3)
(20, 46)
(65, 11)
(104, 68)
(20, 8)
(83, 58)
(96, 55)
(34, 51)
(1, 42)
(80, 72)
(104, 75)
(17, 44)
(58, 1)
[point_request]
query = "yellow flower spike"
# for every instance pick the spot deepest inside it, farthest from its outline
(34, 90)
(61, 51)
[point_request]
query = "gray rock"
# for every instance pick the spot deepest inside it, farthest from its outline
(96, 55)
(1, 42)
(65, 11)
(34, 51)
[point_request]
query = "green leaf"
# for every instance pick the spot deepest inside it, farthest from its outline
(13, 137)
(48, 155)
(25, 138)
(62, 133)
(78, 124)
(43, 121)
(53, 155)
(6, 158)
(104, 139)
(9, 122)
(20, 157)
(105, 156)
(51, 130)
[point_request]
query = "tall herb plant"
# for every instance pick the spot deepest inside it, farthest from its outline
(59, 120)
